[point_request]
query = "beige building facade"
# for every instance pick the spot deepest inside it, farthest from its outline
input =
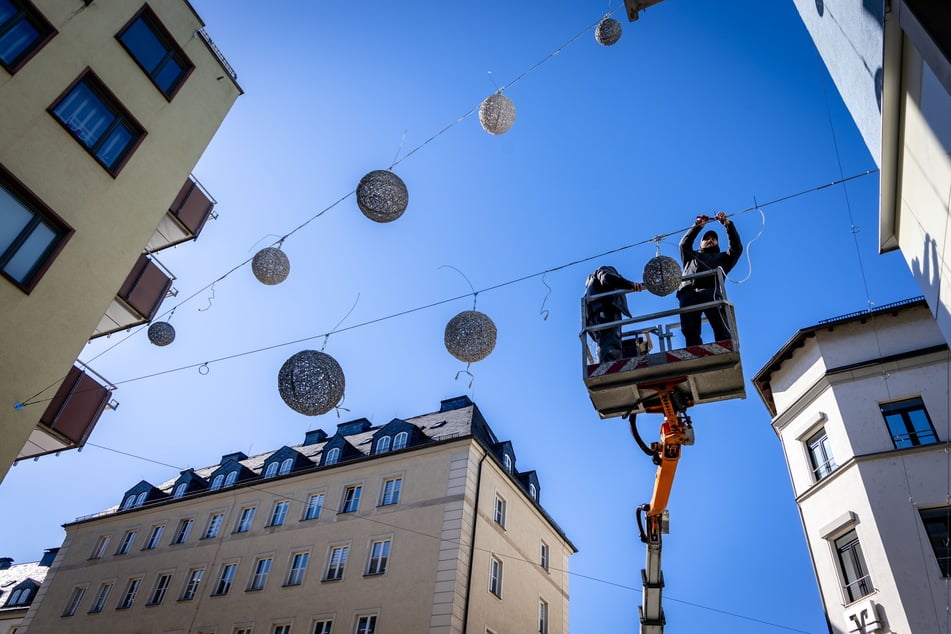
(107, 106)
(417, 525)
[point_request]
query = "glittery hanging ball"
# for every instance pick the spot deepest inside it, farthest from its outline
(161, 333)
(497, 113)
(470, 336)
(271, 266)
(662, 275)
(311, 382)
(382, 196)
(608, 32)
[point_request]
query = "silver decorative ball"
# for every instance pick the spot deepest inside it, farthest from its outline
(311, 382)
(470, 336)
(497, 113)
(662, 275)
(382, 196)
(271, 266)
(608, 32)
(161, 333)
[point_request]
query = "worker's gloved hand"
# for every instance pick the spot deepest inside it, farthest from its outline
(703, 219)
(723, 219)
(637, 287)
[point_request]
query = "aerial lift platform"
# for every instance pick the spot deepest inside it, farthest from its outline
(665, 380)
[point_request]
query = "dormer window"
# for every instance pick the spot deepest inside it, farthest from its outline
(400, 441)
(217, 482)
(231, 478)
(271, 470)
(127, 504)
(19, 596)
(179, 490)
(383, 444)
(333, 456)
(139, 501)
(286, 465)
(533, 491)
(507, 461)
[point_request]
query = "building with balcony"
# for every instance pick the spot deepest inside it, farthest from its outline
(19, 584)
(891, 63)
(107, 107)
(417, 525)
(860, 404)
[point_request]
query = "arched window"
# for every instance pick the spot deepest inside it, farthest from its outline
(217, 482)
(332, 456)
(127, 504)
(231, 477)
(271, 470)
(139, 501)
(507, 461)
(400, 441)
(19, 596)
(383, 444)
(179, 490)
(287, 465)
(532, 491)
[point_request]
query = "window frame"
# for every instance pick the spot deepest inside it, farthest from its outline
(319, 496)
(333, 456)
(903, 409)
(102, 595)
(939, 540)
(297, 568)
(245, 519)
(121, 116)
(336, 565)
(377, 563)
(544, 556)
(326, 625)
(131, 590)
(365, 624)
(127, 540)
(72, 603)
(100, 548)
(279, 513)
(260, 573)
(213, 529)
(160, 589)
(154, 537)
(226, 577)
(183, 531)
(400, 441)
(41, 215)
(173, 52)
(543, 614)
(390, 495)
(271, 470)
(27, 11)
(818, 447)
(192, 583)
(850, 562)
(495, 576)
(499, 510)
(350, 501)
(384, 444)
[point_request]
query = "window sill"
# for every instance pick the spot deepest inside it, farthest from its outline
(331, 580)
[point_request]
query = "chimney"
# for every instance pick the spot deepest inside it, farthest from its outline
(315, 436)
(48, 556)
(5, 562)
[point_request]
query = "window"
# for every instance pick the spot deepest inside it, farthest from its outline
(542, 616)
(129, 501)
(322, 626)
(909, 423)
(101, 597)
(100, 548)
(298, 566)
(938, 526)
(279, 514)
(314, 503)
(533, 491)
(23, 31)
(191, 586)
(400, 441)
(31, 235)
(226, 578)
(820, 455)
(179, 490)
(126, 543)
(855, 577)
(366, 624)
(73, 603)
(351, 499)
(217, 482)
(129, 597)
(242, 630)
(284, 628)
(259, 577)
(336, 563)
(155, 51)
(333, 456)
(379, 555)
(214, 525)
(184, 528)
(140, 500)
(544, 556)
(391, 491)
(495, 576)
(20, 596)
(286, 465)
(231, 478)
(507, 461)
(161, 586)
(499, 512)
(98, 121)
(154, 537)
(271, 470)
(383, 444)
(244, 522)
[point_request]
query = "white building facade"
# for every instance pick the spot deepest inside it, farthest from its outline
(860, 404)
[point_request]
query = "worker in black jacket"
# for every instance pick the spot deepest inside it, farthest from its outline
(607, 309)
(706, 289)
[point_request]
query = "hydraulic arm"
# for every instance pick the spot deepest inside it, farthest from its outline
(652, 518)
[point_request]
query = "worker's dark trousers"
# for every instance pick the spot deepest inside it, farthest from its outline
(690, 322)
(608, 340)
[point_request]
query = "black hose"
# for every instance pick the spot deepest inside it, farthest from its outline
(640, 521)
(632, 419)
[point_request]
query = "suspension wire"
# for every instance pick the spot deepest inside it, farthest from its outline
(757, 207)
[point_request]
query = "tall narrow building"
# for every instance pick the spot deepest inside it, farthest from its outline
(417, 525)
(861, 406)
(107, 106)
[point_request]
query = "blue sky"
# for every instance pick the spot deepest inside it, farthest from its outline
(700, 107)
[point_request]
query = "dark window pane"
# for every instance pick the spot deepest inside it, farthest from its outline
(17, 41)
(114, 145)
(909, 423)
(7, 11)
(14, 218)
(938, 526)
(155, 52)
(31, 253)
(144, 45)
(168, 75)
(84, 114)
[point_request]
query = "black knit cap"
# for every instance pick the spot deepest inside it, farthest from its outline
(711, 234)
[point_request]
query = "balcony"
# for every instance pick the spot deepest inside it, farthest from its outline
(139, 298)
(185, 218)
(71, 414)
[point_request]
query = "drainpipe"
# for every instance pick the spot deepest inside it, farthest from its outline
(475, 524)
